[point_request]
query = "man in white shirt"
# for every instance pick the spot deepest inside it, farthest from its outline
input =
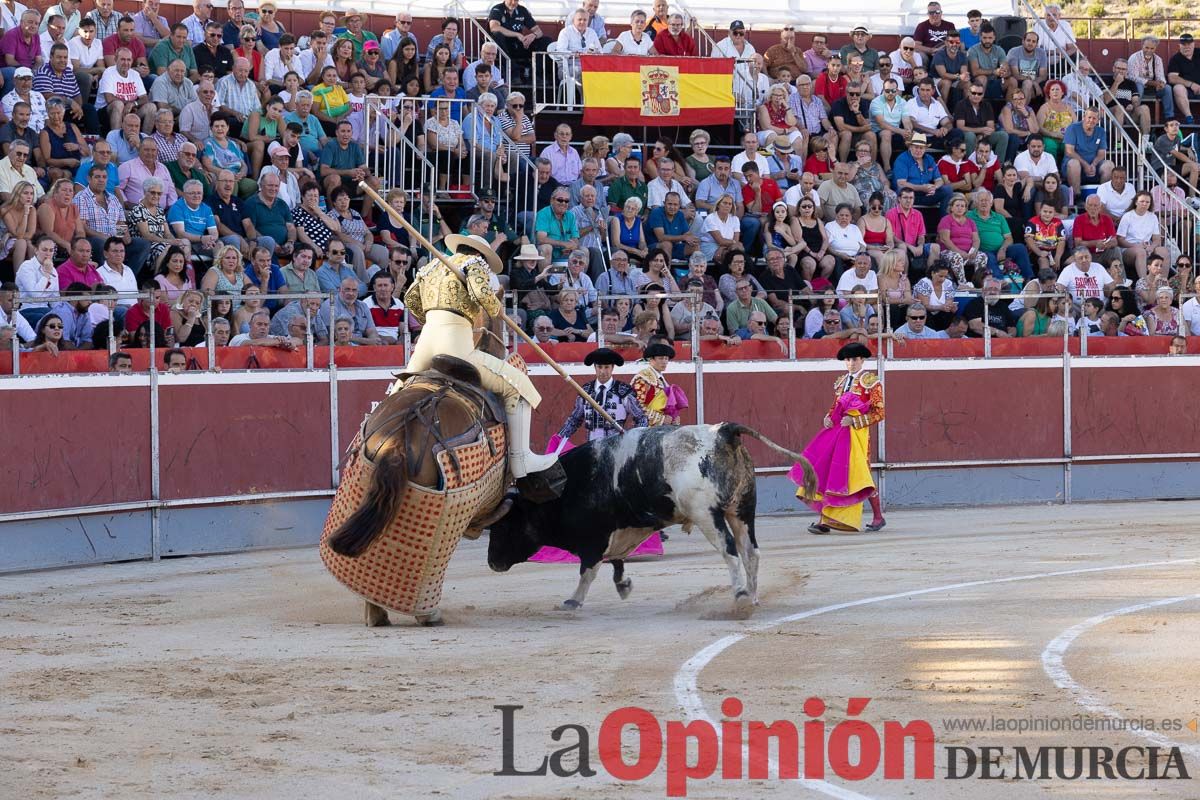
(862, 274)
(8, 295)
(926, 114)
(280, 61)
(23, 92)
(657, 189)
(749, 153)
(1057, 35)
(578, 37)
(635, 41)
(1117, 194)
(115, 273)
(53, 27)
(1191, 311)
(69, 11)
(11, 17)
(86, 51)
(737, 46)
(1084, 278)
(121, 91)
(806, 187)
(1034, 163)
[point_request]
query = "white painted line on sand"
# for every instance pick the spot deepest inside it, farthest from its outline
(1052, 664)
(687, 691)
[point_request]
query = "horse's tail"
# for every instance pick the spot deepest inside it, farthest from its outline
(381, 503)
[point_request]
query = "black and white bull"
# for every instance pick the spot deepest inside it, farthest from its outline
(621, 489)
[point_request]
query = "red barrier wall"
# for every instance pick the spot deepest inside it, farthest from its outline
(243, 439)
(74, 447)
(85, 441)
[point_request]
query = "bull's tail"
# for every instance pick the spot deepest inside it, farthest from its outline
(379, 506)
(810, 477)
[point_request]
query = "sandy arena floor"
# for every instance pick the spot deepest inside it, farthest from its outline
(251, 676)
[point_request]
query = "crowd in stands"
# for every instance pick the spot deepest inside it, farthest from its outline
(901, 192)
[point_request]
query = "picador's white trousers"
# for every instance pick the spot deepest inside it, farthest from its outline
(446, 333)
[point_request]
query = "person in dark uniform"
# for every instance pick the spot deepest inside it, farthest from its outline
(614, 396)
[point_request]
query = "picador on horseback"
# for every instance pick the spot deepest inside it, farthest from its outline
(429, 464)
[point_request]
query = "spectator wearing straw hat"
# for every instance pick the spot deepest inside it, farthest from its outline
(352, 21)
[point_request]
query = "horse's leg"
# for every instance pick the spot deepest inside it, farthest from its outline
(624, 585)
(431, 620)
(376, 616)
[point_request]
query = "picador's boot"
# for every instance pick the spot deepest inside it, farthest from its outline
(539, 477)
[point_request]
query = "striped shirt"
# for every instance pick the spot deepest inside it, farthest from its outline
(97, 217)
(48, 82)
(242, 98)
(104, 29)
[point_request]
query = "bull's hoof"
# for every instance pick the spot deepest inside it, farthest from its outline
(376, 616)
(432, 619)
(571, 605)
(743, 603)
(625, 588)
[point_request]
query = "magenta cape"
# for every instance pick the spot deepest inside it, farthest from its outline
(552, 555)
(830, 453)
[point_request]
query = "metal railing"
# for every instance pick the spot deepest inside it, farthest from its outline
(474, 36)
(705, 43)
(1181, 227)
(125, 339)
(800, 306)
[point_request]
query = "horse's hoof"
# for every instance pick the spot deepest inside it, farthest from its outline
(625, 588)
(431, 620)
(571, 605)
(376, 616)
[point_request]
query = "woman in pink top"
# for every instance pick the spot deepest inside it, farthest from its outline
(959, 239)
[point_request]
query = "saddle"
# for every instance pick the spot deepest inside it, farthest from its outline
(451, 380)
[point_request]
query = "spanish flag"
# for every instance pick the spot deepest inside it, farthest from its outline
(656, 90)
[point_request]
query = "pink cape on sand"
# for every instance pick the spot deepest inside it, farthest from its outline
(552, 555)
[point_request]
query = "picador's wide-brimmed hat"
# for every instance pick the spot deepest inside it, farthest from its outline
(659, 349)
(853, 350)
(604, 355)
(475, 244)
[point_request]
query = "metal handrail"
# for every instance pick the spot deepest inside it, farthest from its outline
(705, 43)
(1124, 151)
(473, 33)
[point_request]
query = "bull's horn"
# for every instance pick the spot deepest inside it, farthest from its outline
(505, 505)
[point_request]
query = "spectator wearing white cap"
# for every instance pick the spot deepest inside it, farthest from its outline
(23, 91)
(859, 36)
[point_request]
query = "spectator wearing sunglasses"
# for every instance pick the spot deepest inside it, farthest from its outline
(931, 33)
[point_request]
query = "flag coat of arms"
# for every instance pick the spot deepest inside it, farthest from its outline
(657, 91)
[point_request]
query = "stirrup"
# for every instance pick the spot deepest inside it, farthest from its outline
(544, 486)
